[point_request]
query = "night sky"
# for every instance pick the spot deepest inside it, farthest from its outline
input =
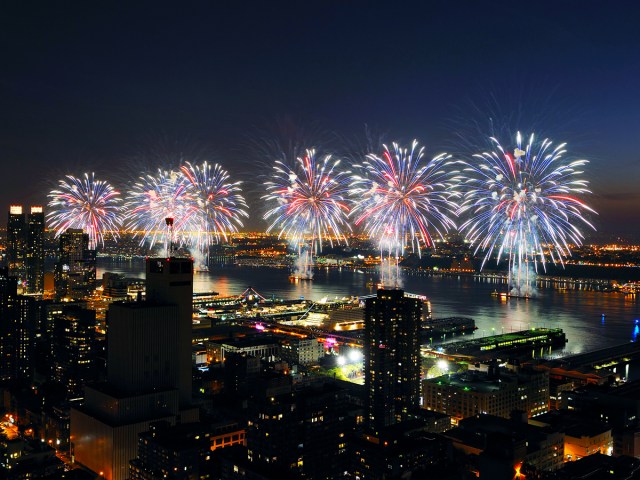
(93, 86)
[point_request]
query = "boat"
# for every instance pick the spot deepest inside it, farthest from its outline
(504, 295)
(296, 277)
(524, 297)
(446, 326)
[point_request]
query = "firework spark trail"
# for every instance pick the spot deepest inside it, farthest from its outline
(310, 199)
(217, 204)
(85, 203)
(399, 195)
(152, 199)
(521, 202)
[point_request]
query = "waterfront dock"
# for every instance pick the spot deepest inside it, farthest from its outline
(513, 344)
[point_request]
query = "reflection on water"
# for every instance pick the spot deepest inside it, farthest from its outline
(591, 320)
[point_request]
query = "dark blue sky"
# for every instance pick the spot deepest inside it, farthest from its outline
(89, 87)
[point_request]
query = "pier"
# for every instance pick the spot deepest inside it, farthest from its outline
(515, 344)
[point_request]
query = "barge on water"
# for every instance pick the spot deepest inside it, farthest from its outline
(439, 327)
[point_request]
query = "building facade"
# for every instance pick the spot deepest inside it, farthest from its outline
(149, 373)
(302, 351)
(180, 452)
(494, 392)
(16, 243)
(25, 247)
(391, 357)
(8, 317)
(75, 271)
(303, 431)
(34, 256)
(71, 348)
(16, 330)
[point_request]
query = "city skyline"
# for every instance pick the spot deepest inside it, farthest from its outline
(107, 90)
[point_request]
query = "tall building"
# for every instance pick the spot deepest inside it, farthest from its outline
(34, 257)
(25, 247)
(24, 337)
(16, 243)
(8, 300)
(392, 357)
(42, 314)
(75, 271)
(16, 330)
(71, 348)
(148, 372)
(170, 281)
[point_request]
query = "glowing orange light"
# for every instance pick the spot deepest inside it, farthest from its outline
(518, 475)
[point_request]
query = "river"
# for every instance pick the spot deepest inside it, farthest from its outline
(591, 320)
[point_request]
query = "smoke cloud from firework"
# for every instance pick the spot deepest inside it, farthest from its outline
(303, 266)
(522, 281)
(390, 273)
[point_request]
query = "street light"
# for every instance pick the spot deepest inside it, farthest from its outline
(443, 365)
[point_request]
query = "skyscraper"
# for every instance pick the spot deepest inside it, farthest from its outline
(392, 357)
(24, 338)
(148, 371)
(8, 300)
(170, 281)
(16, 243)
(75, 271)
(71, 348)
(34, 257)
(25, 247)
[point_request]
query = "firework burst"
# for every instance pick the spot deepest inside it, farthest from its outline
(217, 202)
(85, 203)
(525, 204)
(309, 200)
(153, 199)
(400, 198)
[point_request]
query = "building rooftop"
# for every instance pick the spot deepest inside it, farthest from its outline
(474, 431)
(474, 381)
(571, 423)
(599, 465)
(253, 341)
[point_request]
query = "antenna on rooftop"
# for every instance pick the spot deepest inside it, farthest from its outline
(169, 222)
